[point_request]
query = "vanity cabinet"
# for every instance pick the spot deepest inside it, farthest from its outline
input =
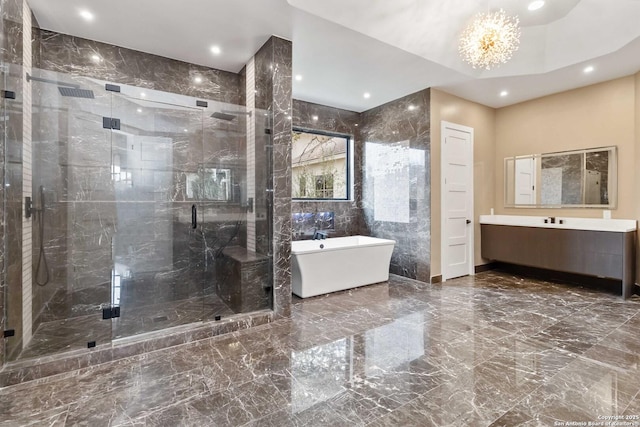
(601, 250)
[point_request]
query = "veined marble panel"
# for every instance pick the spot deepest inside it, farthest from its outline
(134, 226)
(273, 64)
(74, 55)
(396, 180)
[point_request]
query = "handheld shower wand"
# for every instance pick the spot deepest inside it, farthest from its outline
(42, 256)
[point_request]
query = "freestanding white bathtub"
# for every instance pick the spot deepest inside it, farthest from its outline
(338, 263)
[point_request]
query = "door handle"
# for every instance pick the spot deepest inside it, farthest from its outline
(468, 221)
(194, 217)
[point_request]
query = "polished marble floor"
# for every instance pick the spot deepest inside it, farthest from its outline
(73, 333)
(489, 350)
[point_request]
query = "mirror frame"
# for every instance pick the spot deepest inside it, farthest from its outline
(613, 173)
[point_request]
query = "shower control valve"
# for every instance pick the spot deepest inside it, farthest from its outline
(28, 207)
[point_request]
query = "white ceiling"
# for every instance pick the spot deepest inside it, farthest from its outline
(387, 48)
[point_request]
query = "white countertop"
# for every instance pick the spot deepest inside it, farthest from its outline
(591, 224)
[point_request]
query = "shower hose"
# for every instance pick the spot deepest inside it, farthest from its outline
(42, 256)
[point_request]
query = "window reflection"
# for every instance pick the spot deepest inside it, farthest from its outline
(210, 184)
(319, 373)
(394, 344)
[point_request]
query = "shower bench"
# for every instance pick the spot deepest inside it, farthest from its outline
(242, 279)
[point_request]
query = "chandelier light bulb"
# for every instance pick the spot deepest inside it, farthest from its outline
(490, 39)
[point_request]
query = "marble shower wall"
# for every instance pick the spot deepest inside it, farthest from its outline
(74, 55)
(273, 64)
(73, 264)
(348, 214)
(396, 180)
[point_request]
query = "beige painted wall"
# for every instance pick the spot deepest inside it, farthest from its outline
(635, 196)
(593, 116)
(637, 156)
(482, 119)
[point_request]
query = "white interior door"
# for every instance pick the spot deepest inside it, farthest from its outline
(592, 188)
(526, 181)
(457, 200)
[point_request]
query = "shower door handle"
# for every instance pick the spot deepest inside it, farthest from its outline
(194, 217)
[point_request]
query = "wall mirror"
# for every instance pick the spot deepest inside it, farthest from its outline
(578, 179)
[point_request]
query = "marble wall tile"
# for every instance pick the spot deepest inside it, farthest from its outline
(74, 55)
(306, 224)
(81, 252)
(348, 214)
(273, 64)
(396, 180)
(76, 194)
(281, 140)
(2, 194)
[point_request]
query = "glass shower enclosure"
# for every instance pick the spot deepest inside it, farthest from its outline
(143, 214)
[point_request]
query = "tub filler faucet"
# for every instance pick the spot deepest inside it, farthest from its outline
(319, 235)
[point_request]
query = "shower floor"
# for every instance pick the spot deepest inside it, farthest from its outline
(74, 333)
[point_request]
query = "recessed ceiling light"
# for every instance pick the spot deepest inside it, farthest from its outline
(356, 125)
(139, 110)
(298, 77)
(142, 94)
(504, 93)
(197, 79)
(588, 69)
(412, 107)
(314, 118)
(86, 15)
(367, 95)
(186, 130)
(535, 5)
(216, 50)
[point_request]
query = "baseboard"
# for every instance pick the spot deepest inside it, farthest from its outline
(485, 267)
(437, 279)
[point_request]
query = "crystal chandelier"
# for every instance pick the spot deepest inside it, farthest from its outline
(490, 40)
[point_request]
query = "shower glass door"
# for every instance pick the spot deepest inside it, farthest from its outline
(224, 203)
(158, 265)
(150, 210)
(72, 220)
(237, 210)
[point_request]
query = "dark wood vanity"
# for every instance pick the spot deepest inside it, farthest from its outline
(594, 247)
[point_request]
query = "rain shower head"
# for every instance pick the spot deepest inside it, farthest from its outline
(66, 89)
(76, 92)
(223, 116)
(229, 115)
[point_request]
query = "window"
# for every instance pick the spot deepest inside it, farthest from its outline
(302, 186)
(324, 186)
(320, 165)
